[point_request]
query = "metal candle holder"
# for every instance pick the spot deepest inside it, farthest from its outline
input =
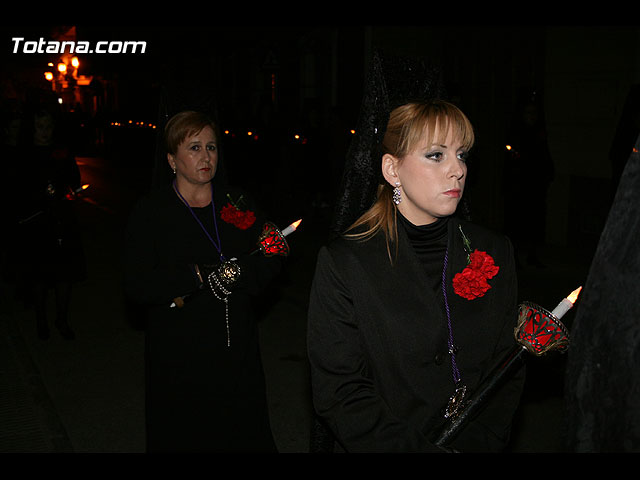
(538, 332)
(272, 241)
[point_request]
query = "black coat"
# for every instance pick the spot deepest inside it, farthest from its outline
(602, 385)
(377, 341)
(202, 395)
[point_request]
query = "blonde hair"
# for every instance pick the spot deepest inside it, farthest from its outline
(408, 125)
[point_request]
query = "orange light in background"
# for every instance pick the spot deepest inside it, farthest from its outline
(352, 131)
(508, 147)
(62, 67)
(75, 62)
(48, 76)
(84, 80)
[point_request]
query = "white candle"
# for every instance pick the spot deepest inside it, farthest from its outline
(566, 304)
(563, 307)
(291, 228)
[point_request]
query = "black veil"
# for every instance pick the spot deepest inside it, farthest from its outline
(392, 81)
(602, 385)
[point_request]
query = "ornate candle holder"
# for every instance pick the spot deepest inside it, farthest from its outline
(540, 331)
(272, 242)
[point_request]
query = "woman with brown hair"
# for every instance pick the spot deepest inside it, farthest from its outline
(188, 266)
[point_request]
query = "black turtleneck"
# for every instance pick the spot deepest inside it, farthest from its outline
(430, 243)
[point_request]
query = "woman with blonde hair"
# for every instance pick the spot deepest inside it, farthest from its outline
(412, 305)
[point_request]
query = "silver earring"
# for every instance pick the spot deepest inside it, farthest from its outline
(397, 197)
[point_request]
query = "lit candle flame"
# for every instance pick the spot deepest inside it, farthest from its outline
(295, 224)
(566, 304)
(79, 189)
(574, 295)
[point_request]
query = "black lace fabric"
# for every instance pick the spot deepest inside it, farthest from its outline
(392, 81)
(602, 386)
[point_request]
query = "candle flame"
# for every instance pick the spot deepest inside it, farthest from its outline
(85, 186)
(295, 224)
(574, 295)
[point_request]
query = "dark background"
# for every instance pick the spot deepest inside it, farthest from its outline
(286, 80)
(283, 81)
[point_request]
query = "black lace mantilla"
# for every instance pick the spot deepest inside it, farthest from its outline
(392, 81)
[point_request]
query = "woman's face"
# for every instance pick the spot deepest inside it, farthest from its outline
(431, 178)
(196, 159)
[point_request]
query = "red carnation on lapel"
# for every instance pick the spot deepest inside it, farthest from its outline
(230, 213)
(472, 283)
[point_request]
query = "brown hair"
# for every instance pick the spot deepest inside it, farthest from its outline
(407, 125)
(183, 125)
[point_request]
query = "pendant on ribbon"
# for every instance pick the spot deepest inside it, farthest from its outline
(454, 407)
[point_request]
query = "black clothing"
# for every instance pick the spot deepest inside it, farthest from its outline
(430, 243)
(377, 340)
(48, 245)
(202, 395)
(602, 385)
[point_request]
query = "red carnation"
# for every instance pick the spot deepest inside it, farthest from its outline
(484, 263)
(236, 217)
(472, 282)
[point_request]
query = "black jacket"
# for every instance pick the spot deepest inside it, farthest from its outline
(377, 341)
(201, 395)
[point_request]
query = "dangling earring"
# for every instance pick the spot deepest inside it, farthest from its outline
(174, 170)
(397, 198)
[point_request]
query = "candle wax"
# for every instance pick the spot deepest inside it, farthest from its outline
(288, 230)
(563, 307)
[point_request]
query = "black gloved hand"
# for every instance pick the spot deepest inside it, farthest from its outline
(220, 278)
